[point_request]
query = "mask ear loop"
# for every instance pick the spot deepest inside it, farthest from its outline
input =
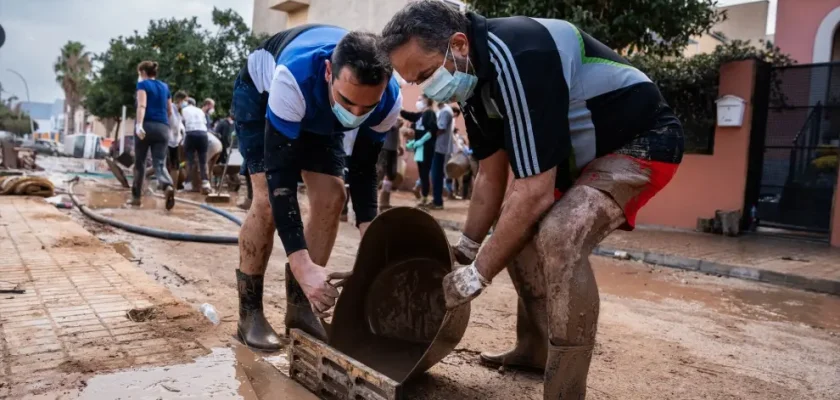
(454, 61)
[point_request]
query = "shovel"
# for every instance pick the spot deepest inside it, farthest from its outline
(218, 196)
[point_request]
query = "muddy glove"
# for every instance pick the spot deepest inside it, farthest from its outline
(465, 251)
(462, 285)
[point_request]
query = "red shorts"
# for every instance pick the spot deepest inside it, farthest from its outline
(630, 181)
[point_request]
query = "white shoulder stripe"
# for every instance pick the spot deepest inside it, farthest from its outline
(390, 119)
(528, 146)
(285, 98)
(517, 110)
(512, 120)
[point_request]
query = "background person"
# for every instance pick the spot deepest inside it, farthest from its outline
(425, 122)
(208, 107)
(154, 107)
(195, 142)
(443, 149)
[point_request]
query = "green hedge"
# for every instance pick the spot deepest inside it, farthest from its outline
(690, 85)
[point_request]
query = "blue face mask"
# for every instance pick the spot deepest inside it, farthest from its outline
(347, 118)
(184, 104)
(444, 86)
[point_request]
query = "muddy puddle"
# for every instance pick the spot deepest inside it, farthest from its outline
(235, 372)
(756, 302)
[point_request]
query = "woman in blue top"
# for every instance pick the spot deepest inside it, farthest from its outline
(154, 109)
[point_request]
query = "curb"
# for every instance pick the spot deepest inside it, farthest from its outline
(708, 267)
(732, 271)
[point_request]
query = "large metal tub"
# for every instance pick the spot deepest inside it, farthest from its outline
(391, 314)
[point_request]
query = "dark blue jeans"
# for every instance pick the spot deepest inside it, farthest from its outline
(437, 178)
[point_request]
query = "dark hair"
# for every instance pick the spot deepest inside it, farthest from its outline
(432, 22)
(180, 96)
(359, 52)
(150, 68)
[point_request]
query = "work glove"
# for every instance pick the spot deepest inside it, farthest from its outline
(465, 251)
(139, 131)
(462, 285)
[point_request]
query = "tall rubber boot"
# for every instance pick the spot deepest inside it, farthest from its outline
(299, 313)
(531, 349)
(253, 329)
(566, 372)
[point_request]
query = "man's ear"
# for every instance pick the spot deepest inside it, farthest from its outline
(460, 44)
(328, 72)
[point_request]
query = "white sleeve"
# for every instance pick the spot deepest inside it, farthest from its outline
(285, 99)
(390, 119)
(261, 68)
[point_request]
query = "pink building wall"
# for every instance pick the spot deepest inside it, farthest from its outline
(797, 22)
(706, 183)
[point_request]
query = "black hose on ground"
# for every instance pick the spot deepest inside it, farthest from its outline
(208, 207)
(141, 230)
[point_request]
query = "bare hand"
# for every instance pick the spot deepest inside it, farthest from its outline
(314, 281)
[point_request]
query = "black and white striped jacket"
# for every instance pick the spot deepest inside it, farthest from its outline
(552, 96)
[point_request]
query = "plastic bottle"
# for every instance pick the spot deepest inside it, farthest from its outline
(210, 312)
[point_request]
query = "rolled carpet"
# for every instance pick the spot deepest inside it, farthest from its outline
(26, 186)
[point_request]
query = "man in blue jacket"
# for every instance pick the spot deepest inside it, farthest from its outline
(311, 83)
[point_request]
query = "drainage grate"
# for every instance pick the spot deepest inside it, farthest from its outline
(333, 375)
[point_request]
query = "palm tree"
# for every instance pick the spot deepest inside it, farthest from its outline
(72, 72)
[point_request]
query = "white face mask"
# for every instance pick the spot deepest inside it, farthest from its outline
(139, 79)
(420, 104)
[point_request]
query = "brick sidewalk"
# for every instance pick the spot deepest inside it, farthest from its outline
(788, 262)
(72, 319)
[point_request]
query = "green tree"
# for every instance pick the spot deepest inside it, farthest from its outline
(659, 27)
(14, 119)
(72, 72)
(190, 59)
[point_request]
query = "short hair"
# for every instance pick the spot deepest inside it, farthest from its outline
(150, 68)
(359, 51)
(180, 96)
(208, 101)
(432, 22)
(191, 101)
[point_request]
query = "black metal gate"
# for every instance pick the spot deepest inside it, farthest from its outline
(794, 146)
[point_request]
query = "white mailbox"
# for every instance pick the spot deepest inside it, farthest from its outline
(730, 110)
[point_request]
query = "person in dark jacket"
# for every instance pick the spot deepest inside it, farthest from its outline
(224, 129)
(424, 122)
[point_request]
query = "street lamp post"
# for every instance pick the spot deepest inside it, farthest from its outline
(28, 100)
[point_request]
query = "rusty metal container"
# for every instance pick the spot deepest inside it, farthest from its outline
(391, 314)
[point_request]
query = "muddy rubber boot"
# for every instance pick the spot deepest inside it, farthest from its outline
(169, 193)
(134, 202)
(566, 371)
(299, 313)
(531, 349)
(253, 329)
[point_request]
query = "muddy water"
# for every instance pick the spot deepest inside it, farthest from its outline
(225, 373)
(741, 299)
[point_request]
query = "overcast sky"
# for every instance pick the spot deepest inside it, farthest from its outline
(36, 30)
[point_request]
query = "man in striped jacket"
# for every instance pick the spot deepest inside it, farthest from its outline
(589, 140)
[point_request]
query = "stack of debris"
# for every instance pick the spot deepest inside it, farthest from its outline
(16, 183)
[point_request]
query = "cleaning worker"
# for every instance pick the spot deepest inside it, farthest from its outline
(195, 141)
(589, 139)
(392, 149)
(311, 83)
